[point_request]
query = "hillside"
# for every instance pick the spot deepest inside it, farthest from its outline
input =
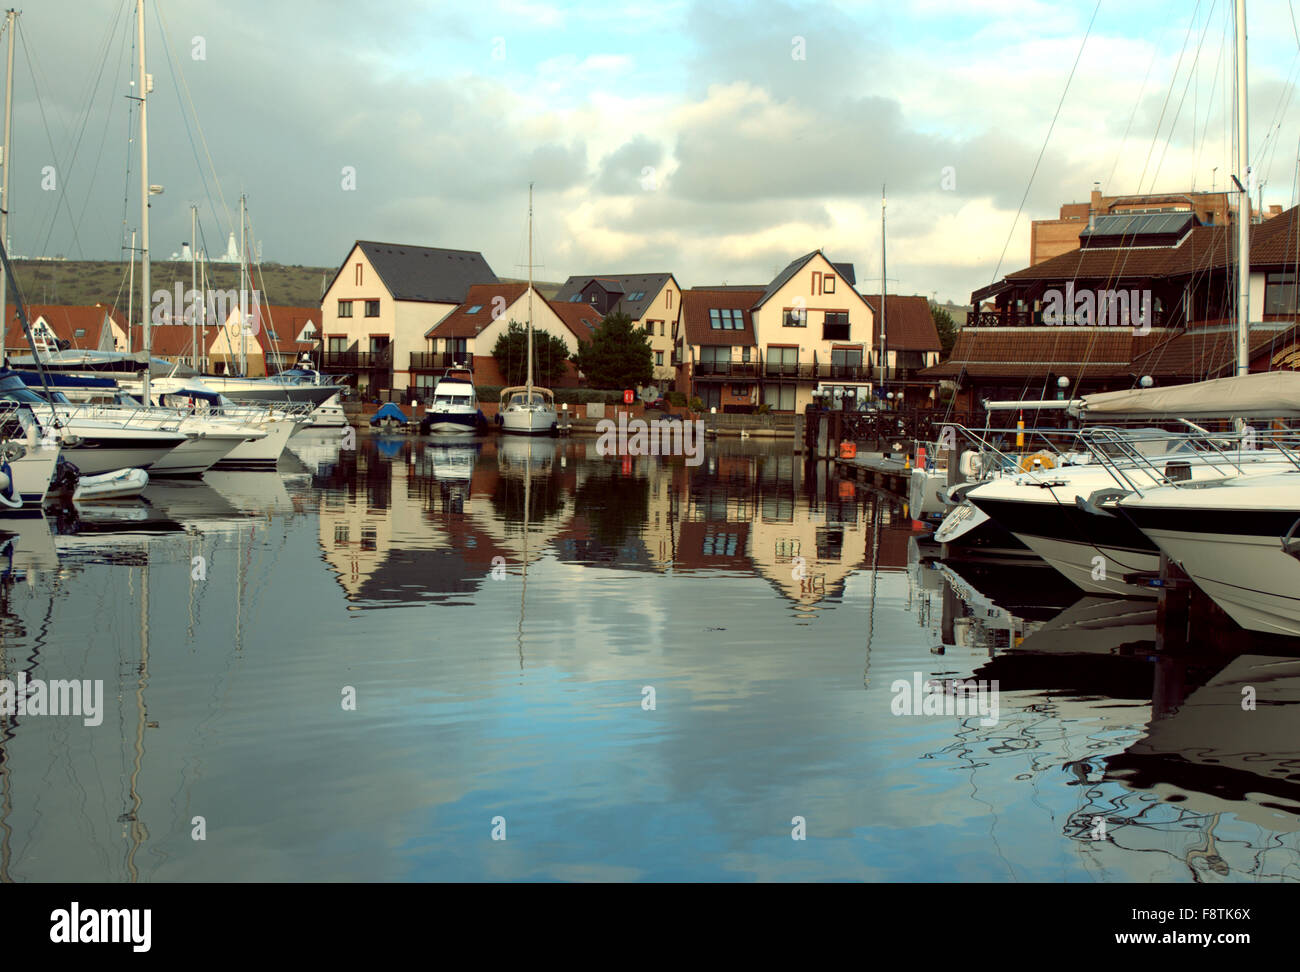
(102, 282)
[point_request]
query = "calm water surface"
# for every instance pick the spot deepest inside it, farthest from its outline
(638, 670)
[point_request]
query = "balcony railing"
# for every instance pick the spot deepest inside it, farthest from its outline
(1027, 318)
(726, 369)
(357, 360)
(437, 360)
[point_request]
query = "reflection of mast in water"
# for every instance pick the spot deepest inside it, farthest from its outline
(523, 588)
(139, 832)
(871, 604)
(6, 795)
(1209, 853)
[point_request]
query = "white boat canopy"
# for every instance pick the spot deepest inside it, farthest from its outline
(1270, 394)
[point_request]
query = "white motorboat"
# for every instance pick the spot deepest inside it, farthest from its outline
(1239, 540)
(454, 408)
(1063, 515)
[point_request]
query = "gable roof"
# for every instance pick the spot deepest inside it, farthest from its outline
(64, 320)
(647, 285)
(581, 319)
(908, 322)
(423, 273)
(698, 301)
(845, 271)
(460, 323)
(782, 278)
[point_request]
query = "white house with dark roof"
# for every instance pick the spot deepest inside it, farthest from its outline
(382, 302)
(652, 300)
(812, 328)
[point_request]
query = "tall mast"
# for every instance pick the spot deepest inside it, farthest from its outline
(529, 397)
(884, 341)
(194, 284)
(4, 184)
(145, 308)
(1243, 201)
(130, 298)
(243, 295)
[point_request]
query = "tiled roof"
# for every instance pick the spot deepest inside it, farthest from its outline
(1037, 351)
(425, 273)
(460, 323)
(581, 319)
(173, 341)
(1275, 243)
(697, 303)
(646, 284)
(1206, 352)
(908, 323)
(64, 320)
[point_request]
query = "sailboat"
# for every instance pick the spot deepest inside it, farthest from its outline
(529, 409)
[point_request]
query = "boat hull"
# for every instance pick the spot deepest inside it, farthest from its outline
(30, 476)
(195, 456)
(529, 422)
(261, 453)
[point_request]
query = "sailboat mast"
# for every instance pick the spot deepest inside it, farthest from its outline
(194, 283)
(529, 399)
(144, 201)
(884, 340)
(130, 297)
(243, 294)
(1243, 202)
(4, 180)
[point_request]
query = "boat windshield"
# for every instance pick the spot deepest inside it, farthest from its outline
(521, 400)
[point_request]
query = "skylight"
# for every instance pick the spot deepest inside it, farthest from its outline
(475, 309)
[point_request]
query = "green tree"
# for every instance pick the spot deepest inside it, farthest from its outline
(511, 353)
(946, 326)
(619, 355)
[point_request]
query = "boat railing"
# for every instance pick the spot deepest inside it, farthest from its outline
(1120, 454)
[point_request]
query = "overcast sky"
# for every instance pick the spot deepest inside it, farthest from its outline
(716, 140)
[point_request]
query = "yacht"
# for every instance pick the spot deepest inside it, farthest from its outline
(1239, 540)
(455, 405)
(95, 445)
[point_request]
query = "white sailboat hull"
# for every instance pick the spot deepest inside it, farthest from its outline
(529, 421)
(30, 476)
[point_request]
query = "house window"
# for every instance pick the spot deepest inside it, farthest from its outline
(1280, 293)
(739, 391)
(650, 327)
(475, 309)
(744, 355)
(378, 344)
(779, 397)
(661, 328)
(372, 308)
(659, 358)
(711, 395)
(726, 319)
(782, 360)
(345, 308)
(845, 362)
(828, 284)
(668, 295)
(816, 283)
(79, 332)
(795, 317)
(357, 275)
(836, 326)
(338, 345)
